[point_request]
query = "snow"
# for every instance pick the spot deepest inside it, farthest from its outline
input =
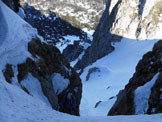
(142, 95)
(15, 35)
(149, 4)
(59, 83)
(76, 60)
(161, 89)
(21, 13)
(133, 4)
(115, 71)
(160, 97)
(69, 40)
(89, 33)
(3, 29)
(17, 106)
(34, 88)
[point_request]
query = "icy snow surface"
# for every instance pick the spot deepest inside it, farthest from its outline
(15, 34)
(142, 95)
(34, 87)
(17, 106)
(115, 71)
(70, 40)
(21, 13)
(59, 83)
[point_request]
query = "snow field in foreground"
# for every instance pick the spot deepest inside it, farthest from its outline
(18, 106)
(115, 71)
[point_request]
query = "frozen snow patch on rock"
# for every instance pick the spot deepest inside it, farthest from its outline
(59, 83)
(142, 95)
(34, 87)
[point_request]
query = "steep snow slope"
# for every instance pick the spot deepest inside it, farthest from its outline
(3, 29)
(17, 106)
(114, 72)
(14, 46)
(34, 66)
(142, 95)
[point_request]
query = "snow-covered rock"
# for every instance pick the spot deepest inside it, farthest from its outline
(142, 95)
(29, 63)
(56, 31)
(113, 73)
(18, 106)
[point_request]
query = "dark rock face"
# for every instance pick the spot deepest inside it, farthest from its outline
(77, 7)
(147, 68)
(101, 45)
(73, 51)
(47, 60)
(13, 4)
(51, 27)
(92, 70)
(54, 30)
(8, 73)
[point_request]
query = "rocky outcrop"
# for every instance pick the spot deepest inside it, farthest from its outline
(31, 64)
(137, 19)
(91, 71)
(123, 18)
(58, 32)
(72, 52)
(79, 13)
(101, 45)
(8, 73)
(53, 29)
(13, 4)
(143, 93)
(46, 61)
